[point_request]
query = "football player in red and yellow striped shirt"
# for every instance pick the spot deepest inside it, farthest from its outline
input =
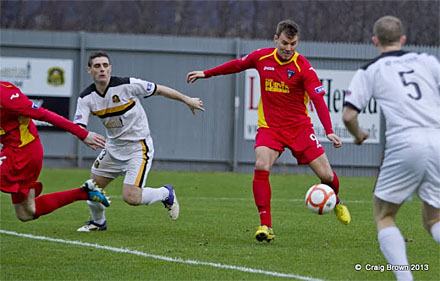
(288, 82)
(21, 156)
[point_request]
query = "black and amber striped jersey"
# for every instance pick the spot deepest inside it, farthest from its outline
(119, 108)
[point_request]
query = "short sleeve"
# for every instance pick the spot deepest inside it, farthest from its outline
(359, 91)
(143, 88)
(82, 112)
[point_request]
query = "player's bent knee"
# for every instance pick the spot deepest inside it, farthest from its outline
(24, 217)
(262, 165)
(132, 194)
(384, 222)
(429, 223)
(327, 178)
(131, 200)
(384, 213)
(24, 211)
(430, 216)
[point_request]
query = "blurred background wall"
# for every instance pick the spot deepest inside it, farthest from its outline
(325, 21)
(161, 41)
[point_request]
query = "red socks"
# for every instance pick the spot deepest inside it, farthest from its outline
(262, 195)
(48, 203)
(334, 185)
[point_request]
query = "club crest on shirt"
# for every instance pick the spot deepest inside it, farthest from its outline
(290, 73)
(115, 99)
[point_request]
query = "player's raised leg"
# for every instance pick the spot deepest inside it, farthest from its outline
(134, 195)
(323, 170)
(134, 190)
(32, 207)
(25, 210)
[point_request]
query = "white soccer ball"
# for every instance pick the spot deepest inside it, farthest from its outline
(320, 199)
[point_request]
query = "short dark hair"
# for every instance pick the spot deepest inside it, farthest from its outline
(95, 55)
(388, 30)
(289, 27)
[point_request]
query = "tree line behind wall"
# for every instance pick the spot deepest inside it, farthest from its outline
(324, 21)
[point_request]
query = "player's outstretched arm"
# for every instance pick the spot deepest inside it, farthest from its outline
(192, 76)
(91, 139)
(192, 103)
(94, 140)
(350, 118)
(13, 100)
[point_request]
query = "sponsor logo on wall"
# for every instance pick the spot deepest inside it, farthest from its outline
(47, 82)
(335, 84)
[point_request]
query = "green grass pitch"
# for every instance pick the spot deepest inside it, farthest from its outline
(213, 238)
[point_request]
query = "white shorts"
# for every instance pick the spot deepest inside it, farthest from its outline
(130, 158)
(411, 165)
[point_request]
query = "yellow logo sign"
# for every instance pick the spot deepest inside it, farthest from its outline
(55, 76)
(278, 87)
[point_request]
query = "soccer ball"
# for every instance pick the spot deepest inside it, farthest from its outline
(320, 199)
